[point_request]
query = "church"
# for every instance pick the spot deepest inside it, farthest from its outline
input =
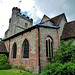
(34, 46)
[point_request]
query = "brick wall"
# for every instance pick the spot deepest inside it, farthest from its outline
(30, 63)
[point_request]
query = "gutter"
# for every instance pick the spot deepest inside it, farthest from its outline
(57, 37)
(39, 50)
(9, 45)
(67, 38)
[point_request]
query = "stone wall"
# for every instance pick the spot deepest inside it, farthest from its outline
(44, 32)
(61, 25)
(21, 24)
(17, 23)
(30, 63)
(48, 23)
(7, 45)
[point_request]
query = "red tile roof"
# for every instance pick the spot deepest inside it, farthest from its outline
(69, 30)
(2, 47)
(57, 19)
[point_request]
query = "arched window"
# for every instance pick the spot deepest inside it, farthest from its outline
(26, 49)
(49, 47)
(14, 50)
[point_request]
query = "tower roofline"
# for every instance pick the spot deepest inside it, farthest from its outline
(16, 8)
(17, 11)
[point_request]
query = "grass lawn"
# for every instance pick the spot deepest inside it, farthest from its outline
(14, 72)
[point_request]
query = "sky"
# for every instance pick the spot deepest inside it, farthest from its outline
(35, 9)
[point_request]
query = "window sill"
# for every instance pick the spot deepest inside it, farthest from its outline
(25, 58)
(49, 57)
(14, 58)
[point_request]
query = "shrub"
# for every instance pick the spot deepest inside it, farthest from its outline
(59, 69)
(64, 62)
(4, 63)
(65, 52)
(21, 67)
(16, 67)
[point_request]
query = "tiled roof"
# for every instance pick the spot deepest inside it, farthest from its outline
(2, 47)
(48, 19)
(57, 19)
(69, 30)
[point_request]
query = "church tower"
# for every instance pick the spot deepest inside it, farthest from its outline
(18, 22)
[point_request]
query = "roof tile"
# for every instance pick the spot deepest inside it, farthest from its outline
(69, 30)
(57, 19)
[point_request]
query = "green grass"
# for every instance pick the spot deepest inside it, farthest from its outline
(14, 72)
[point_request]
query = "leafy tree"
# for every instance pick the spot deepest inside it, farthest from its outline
(64, 62)
(66, 51)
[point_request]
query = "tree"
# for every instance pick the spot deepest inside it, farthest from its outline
(64, 62)
(66, 51)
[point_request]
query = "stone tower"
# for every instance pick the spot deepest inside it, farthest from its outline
(17, 22)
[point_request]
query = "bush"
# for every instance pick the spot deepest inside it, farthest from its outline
(66, 51)
(16, 67)
(4, 63)
(64, 62)
(59, 69)
(21, 67)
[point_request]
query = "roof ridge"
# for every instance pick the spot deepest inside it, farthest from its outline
(59, 20)
(70, 22)
(58, 15)
(46, 16)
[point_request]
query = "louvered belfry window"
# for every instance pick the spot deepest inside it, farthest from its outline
(14, 50)
(49, 47)
(26, 49)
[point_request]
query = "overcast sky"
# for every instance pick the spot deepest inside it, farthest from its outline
(35, 9)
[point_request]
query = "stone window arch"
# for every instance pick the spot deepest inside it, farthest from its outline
(49, 47)
(25, 49)
(14, 50)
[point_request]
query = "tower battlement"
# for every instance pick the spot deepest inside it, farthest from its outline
(18, 22)
(17, 11)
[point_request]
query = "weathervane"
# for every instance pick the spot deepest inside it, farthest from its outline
(20, 2)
